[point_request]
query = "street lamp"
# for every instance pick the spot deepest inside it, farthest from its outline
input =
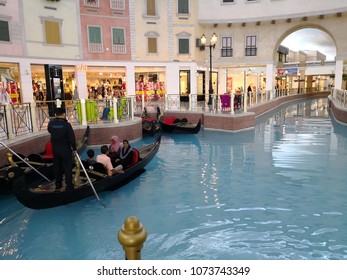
(212, 44)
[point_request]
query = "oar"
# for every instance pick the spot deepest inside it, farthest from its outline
(27, 163)
(90, 182)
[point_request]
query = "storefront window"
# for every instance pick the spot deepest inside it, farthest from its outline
(9, 75)
(106, 82)
(149, 82)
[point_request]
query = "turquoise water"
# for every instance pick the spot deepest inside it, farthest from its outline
(276, 192)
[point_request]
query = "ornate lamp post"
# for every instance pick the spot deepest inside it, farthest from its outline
(213, 41)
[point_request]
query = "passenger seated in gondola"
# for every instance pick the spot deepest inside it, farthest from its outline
(126, 156)
(114, 150)
(106, 161)
(91, 161)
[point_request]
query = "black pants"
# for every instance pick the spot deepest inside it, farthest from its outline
(62, 164)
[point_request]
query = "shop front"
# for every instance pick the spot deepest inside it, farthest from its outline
(9, 76)
(106, 82)
(150, 83)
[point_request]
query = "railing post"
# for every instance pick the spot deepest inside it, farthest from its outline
(166, 102)
(214, 107)
(245, 102)
(33, 116)
(143, 101)
(190, 102)
(132, 101)
(8, 109)
(84, 112)
(232, 102)
(115, 110)
(131, 236)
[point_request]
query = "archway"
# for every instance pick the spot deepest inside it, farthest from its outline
(309, 59)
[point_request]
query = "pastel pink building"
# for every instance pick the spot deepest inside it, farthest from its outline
(105, 30)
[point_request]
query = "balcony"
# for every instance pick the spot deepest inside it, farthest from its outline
(117, 4)
(118, 49)
(226, 52)
(95, 48)
(92, 3)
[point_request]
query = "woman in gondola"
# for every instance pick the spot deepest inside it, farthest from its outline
(114, 150)
(126, 156)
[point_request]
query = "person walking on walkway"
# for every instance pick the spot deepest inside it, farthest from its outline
(64, 148)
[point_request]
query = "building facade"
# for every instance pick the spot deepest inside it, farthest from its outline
(153, 47)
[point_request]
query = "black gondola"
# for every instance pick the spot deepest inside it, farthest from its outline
(36, 161)
(181, 126)
(175, 125)
(150, 126)
(34, 192)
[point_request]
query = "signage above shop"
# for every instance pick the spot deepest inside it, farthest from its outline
(82, 68)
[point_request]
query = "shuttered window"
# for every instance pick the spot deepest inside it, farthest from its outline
(94, 33)
(152, 45)
(118, 36)
(150, 8)
(52, 32)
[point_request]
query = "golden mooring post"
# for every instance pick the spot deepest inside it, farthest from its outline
(131, 236)
(10, 159)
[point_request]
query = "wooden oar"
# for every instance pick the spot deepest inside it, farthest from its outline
(27, 163)
(90, 182)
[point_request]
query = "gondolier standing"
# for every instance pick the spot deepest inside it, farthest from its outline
(64, 147)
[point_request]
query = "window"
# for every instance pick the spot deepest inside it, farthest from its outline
(228, 1)
(118, 40)
(183, 46)
(4, 31)
(251, 46)
(151, 8)
(152, 45)
(95, 39)
(52, 31)
(252, 1)
(183, 7)
(227, 50)
(152, 39)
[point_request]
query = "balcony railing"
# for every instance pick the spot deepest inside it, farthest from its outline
(117, 48)
(226, 52)
(117, 4)
(95, 48)
(92, 3)
(250, 51)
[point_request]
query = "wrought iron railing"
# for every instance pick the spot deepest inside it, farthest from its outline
(18, 119)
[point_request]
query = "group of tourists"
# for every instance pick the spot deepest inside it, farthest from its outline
(115, 158)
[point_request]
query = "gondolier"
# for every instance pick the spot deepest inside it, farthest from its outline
(64, 147)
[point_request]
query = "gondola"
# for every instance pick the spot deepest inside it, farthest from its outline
(36, 193)
(175, 125)
(150, 126)
(31, 161)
